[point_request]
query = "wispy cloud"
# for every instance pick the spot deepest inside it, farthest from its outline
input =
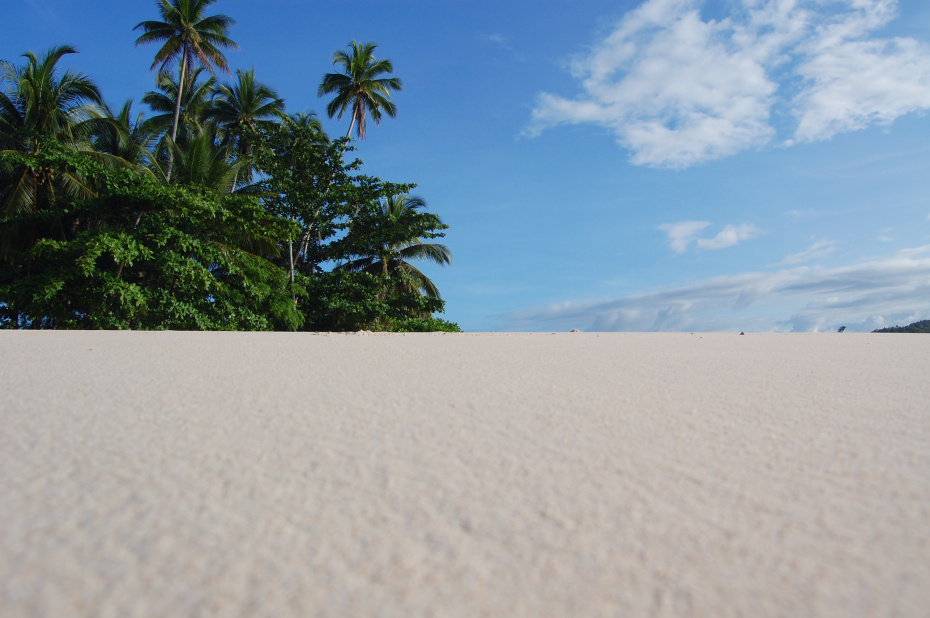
(819, 249)
(678, 90)
(797, 214)
(683, 233)
(862, 296)
(505, 43)
(43, 11)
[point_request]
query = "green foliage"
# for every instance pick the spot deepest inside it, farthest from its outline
(44, 178)
(195, 107)
(425, 325)
(188, 35)
(143, 255)
(307, 181)
(341, 220)
(130, 140)
(218, 212)
(394, 238)
(39, 103)
(922, 326)
(347, 301)
(40, 107)
(140, 254)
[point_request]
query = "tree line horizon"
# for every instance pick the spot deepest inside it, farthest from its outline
(217, 210)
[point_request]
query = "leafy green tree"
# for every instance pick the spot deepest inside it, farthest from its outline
(401, 229)
(197, 260)
(340, 300)
(308, 182)
(338, 214)
(241, 108)
(923, 326)
(189, 36)
(94, 234)
(360, 86)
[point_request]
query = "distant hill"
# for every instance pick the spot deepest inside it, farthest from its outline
(917, 327)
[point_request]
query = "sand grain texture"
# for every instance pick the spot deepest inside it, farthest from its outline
(240, 474)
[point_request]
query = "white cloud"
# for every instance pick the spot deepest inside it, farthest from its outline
(729, 236)
(820, 248)
(857, 83)
(678, 90)
(893, 289)
(681, 234)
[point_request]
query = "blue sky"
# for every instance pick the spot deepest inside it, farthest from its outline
(677, 165)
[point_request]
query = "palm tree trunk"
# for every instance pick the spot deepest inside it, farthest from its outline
(351, 124)
(177, 113)
(290, 248)
(244, 151)
(358, 115)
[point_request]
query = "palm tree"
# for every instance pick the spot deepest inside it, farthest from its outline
(196, 111)
(390, 261)
(132, 140)
(307, 120)
(190, 36)
(39, 107)
(360, 86)
(203, 162)
(196, 103)
(243, 107)
(307, 123)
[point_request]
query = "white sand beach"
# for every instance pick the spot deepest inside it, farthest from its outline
(571, 474)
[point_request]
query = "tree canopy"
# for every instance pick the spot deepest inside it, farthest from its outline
(217, 210)
(923, 326)
(189, 37)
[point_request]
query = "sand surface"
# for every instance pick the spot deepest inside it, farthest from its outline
(195, 474)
